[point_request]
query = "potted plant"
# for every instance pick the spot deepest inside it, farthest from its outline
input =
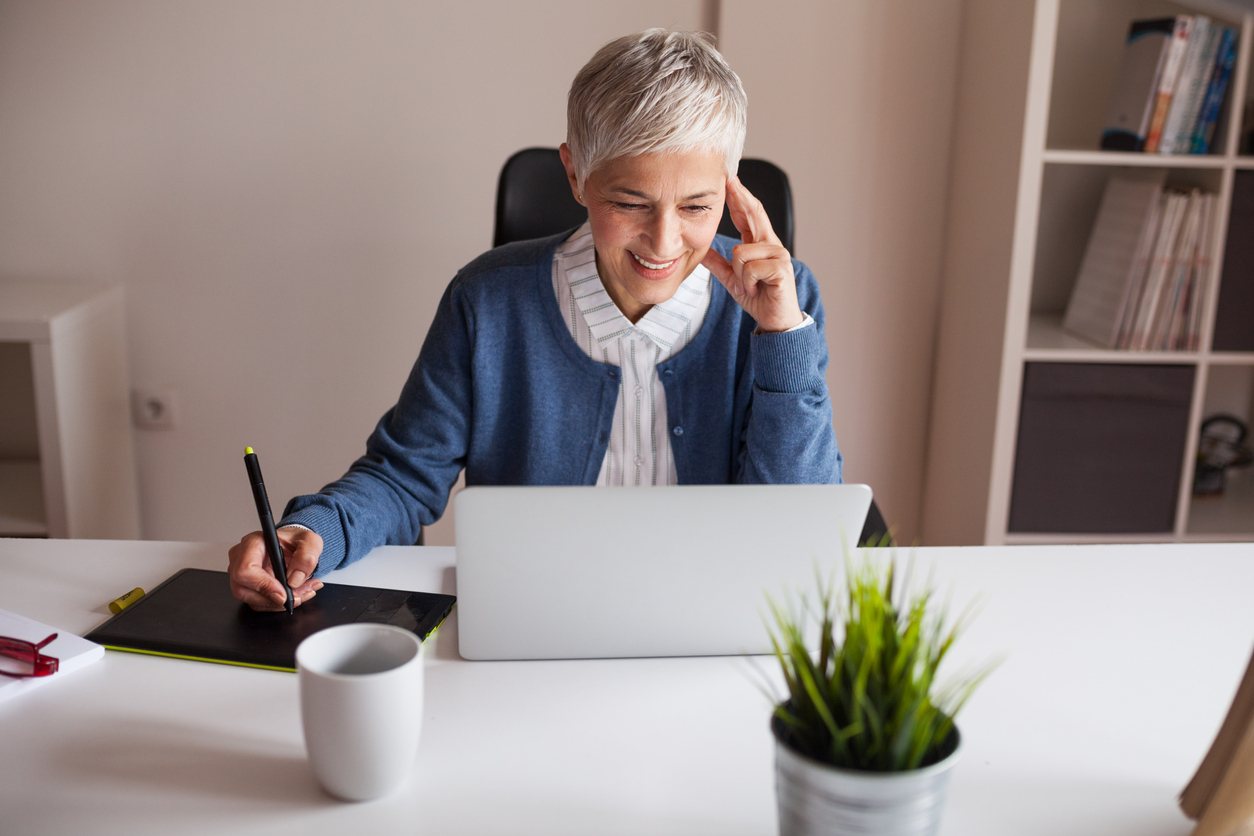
(865, 739)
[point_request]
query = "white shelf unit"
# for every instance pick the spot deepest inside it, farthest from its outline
(1034, 83)
(67, 465)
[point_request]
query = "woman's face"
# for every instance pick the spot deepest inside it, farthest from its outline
(653, 217)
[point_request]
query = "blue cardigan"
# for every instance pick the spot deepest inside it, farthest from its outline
(502, 390)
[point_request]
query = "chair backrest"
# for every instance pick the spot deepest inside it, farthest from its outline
(533, 198)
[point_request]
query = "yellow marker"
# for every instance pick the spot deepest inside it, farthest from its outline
(248, 451)
(118, 604)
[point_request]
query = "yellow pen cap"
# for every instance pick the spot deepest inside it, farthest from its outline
(118, 604)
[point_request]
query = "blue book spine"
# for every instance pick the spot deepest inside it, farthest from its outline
(1205, 130)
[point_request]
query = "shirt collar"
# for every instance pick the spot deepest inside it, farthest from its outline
(664, 323)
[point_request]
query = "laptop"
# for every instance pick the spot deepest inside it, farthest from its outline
(580, 572)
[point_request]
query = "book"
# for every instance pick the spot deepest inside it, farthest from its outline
(1167, 80)
(1189, 90)
(1132, 104)
(1220, 796)
(1145, 251)
(1116, 250)
(1183, 334)
(1171, 293)
(1159, 266)
(1206, 279)
(70, 651)
(1225, 57)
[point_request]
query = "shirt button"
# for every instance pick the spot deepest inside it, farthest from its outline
(639, 392)
(639, 461)
(668, 372)
(678, 431)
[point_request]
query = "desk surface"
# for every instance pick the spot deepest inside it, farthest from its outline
(1121, 662)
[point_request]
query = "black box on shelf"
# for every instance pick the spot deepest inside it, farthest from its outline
(1100, 448)
(1234, 319)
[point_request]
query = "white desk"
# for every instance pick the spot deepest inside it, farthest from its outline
(1122, 662)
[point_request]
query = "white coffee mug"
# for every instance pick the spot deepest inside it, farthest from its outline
(361, 707)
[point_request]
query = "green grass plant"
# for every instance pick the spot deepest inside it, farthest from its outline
(869, 698)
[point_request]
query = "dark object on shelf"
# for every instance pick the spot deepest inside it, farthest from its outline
(1234, 318)
(1132, 103)
(1100, 448)
(1221, 447)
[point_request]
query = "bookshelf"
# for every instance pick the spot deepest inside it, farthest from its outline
(66, 462)
(1034, 83)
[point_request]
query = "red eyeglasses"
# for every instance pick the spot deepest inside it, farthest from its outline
(28, 654)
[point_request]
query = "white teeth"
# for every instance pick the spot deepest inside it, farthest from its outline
(651, 265)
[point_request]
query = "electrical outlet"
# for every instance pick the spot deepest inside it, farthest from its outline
(154, 409)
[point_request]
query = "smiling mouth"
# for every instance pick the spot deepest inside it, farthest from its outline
(652, 265)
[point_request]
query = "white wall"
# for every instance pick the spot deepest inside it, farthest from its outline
(285, 187)
(854, 100)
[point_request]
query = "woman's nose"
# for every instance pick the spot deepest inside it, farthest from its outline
(666, 234)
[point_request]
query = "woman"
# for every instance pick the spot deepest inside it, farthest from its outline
(639, 350)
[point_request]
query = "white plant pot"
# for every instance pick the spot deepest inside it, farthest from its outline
(815, 798)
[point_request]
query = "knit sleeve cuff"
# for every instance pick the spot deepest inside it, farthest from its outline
(325, 522)
(787, 361)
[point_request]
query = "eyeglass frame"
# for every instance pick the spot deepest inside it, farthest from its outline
(28, 652)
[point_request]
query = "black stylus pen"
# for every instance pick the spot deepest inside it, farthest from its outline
(273, 547)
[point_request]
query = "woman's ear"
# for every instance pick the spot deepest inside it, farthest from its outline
(569, 163)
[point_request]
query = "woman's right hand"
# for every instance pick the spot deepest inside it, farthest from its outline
(253, 581)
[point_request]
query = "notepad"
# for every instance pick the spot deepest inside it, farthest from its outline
(192, 615)
(70, 651)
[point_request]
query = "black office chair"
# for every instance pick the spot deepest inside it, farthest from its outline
(533, 199)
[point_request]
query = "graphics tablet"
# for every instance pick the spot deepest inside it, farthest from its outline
(192, 615)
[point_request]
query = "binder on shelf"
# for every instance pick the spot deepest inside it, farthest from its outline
(1168, 98)
(1187, 99)
(1115, 258)
(1167, 80)
(1160, 266)
(1144, 278)
(1132, 105)
(1208, 116)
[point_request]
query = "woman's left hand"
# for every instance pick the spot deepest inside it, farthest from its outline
(759, 276)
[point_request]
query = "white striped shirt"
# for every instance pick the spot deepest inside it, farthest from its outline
(639, 452)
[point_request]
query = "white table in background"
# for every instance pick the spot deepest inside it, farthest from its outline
(1121, 662)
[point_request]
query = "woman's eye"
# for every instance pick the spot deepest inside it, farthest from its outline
(630, 205)
(696, 210)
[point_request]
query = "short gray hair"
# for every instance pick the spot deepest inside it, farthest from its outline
(655, 91)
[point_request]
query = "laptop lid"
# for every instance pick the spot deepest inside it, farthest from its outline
(579, 572)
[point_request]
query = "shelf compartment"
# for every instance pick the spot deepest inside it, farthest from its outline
(1230, 391)
(21, 500)
(1100, 448)
(1234, 317)
(1070, 198)
(1088, 51)
(1231, 513)
(1047, 340)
